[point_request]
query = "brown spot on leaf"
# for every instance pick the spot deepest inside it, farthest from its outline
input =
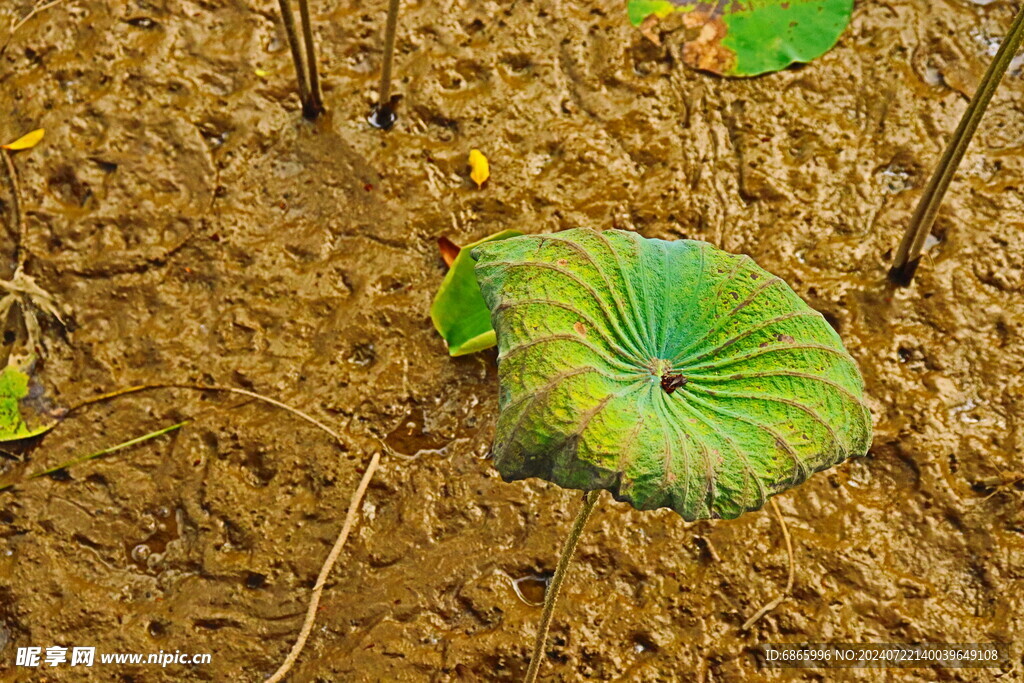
(580, 328)
(784, 338)
(562, 262)
(705, 51)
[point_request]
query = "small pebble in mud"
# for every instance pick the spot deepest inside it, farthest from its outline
(143, 22)
(362, 355)
(140, 553)
(643, 642)
(254, 580)
(60, 475)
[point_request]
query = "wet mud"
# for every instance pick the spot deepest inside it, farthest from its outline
(200, 231)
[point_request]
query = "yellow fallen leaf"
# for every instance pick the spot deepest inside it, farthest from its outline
(479, 169)
(27, 141)
(262, 73)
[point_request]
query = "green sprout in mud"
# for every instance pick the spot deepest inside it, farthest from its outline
(672, 374)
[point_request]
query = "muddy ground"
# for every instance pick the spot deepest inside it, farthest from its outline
(201, 231)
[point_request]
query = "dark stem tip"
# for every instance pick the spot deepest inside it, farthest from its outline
(383, 117)
(902, 276)
(311, 111)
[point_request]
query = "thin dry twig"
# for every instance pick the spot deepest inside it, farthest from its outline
(314, 601)
(789, 580)
(346, 528)
(24, 20)
(271, 401)
(211, 387)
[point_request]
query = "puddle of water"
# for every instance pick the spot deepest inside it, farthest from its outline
(964, 411)
(530, 588)
(147, 554)
(412, 439)
(895, 178)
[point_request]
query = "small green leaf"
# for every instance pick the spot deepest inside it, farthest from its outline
(743, 38)
(672, 374)
(459, 312)
(641, 9)
(21, 415)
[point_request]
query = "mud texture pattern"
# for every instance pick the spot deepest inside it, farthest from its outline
(201, 231)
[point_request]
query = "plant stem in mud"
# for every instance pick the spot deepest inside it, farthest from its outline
(383, 115)
(551, 594)
(293, 42)
(909, 253)
(315, 106)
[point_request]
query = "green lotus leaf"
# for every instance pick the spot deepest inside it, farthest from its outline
(459, 313)
(734, 38)
(672, 374)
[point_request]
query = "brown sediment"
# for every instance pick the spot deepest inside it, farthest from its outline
(204, 233)
(647, 28)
